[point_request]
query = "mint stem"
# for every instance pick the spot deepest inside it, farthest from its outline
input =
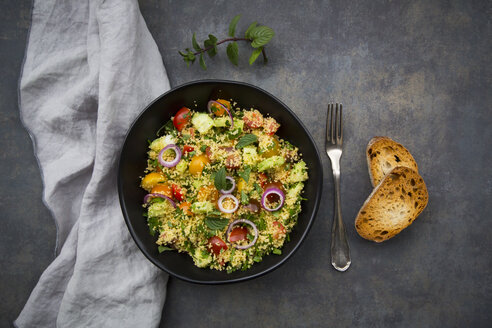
(225, 40)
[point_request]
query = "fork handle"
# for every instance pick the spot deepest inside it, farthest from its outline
(340, 251)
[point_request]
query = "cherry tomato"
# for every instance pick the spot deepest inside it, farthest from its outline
(233, 161)
(253, 119)
(270, 126)
(197, 164)
(208, 193)
(208, 152)
(181, 118)
(215, 244)
(238, 234)
(272, 198)
(162, 189)
(186, 208)
(273, 150)
(262, 178)
(187, 149)
(152, 179)
(254, 206)
(178, 192)
(280, 230)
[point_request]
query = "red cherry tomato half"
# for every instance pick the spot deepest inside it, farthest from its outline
(178, 192)
(280, 229)
(253, 119)
(238, 233)
(187, 149)
(262, 178)
(181, 118)
(215, 244)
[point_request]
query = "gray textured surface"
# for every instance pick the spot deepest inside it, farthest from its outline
(418, 72)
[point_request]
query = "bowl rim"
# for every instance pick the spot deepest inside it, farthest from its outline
(140, 244)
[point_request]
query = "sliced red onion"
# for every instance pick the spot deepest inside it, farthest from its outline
(272, 190)
(216, 103)
(228, 191)
(149, 196)
(250, 224)
(221, 207)
(176, 159)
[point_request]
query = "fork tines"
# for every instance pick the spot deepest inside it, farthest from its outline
(334, 127)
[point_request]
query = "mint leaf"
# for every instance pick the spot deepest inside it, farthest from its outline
(215, 223)
(233, 52)
(220, 179)
(261, 35)
(247, 34)
(211, 42)
(202, 62)
(244, 198)
(255, 55)
(246, 140)
(232, 25)
(196, 46)
(245, 174)
(164, 248)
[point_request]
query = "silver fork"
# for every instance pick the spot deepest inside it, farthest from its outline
(340, 251)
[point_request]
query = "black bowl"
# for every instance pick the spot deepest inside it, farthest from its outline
(132, 163)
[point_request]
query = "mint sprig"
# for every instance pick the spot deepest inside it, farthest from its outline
(257, 35)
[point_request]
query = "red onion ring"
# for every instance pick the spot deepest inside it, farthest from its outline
(222, 198)
(228, 191)
(149, 196)
(176, 159)
(272, 190)
(250, 224)
(216, 103)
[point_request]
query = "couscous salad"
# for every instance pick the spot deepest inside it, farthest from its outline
(222, 186)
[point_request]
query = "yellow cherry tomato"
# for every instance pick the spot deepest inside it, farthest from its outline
(197, 164)
(241, 184)
(272, 150)
(162, 189)
(208, 193)
(152, 179)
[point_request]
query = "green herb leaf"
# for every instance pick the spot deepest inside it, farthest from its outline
(244, 198)
(261, 35)
(246, 140)
(168, 127)
(258, 188)
(203, 148)
(247, 34)
(255, 55)
(211, 42)
(153, 223)
(245, 174)
(233, 52)
(202, 62)
(277, 251)
(164, 248)
(220, 179)
(196, 46)
(215, 223)
(257, 258)
(232, 25)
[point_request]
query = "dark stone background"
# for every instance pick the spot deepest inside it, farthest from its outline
(416, 71)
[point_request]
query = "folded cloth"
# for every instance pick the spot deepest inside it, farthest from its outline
(90, 68)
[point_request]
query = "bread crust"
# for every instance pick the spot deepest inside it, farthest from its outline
(383, 154)
(393, 205)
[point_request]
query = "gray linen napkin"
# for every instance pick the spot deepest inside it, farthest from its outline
(90, 67)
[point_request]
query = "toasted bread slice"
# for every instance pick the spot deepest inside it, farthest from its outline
(384, 154)
(393, 205)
